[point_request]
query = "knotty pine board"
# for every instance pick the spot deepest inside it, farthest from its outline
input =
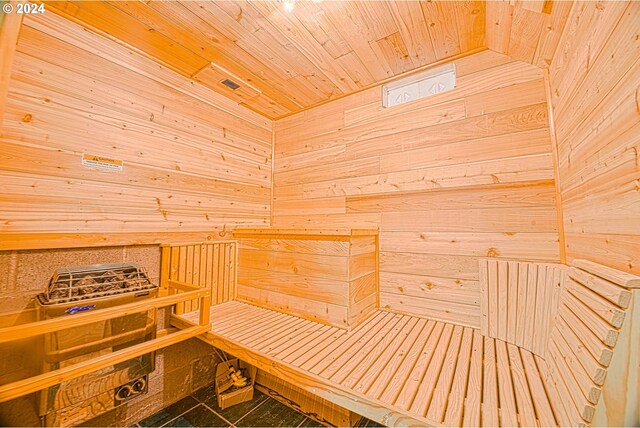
(448, 179)
(594, 84)
(193, 161)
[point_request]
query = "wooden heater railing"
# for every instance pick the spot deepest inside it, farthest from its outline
(187, 292)
(207, 265)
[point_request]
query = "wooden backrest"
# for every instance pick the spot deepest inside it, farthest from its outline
(518, 301)
(593, 306)
(573, 317)
(211, 265)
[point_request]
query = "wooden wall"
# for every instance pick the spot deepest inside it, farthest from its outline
(461, 175)
(595, 85)
(192, 159)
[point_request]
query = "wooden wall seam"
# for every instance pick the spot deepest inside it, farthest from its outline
(554, 150)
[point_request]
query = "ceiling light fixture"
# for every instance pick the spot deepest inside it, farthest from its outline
(288, 5)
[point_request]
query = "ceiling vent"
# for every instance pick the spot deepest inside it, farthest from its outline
(418, 86)
(230, 84)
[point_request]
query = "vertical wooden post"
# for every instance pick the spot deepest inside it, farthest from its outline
(9, 30)
(165, 260)
(556, 166)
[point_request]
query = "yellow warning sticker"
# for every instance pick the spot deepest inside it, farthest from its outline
(102, 163)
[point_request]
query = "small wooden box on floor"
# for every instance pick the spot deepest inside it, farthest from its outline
(324, 275)
(233, 396)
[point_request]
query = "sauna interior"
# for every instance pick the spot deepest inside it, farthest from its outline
(421, 213)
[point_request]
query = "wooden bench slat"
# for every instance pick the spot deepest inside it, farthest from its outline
(503, 299)
(557, 400)
(604, 331)
(595, 370)
(382, 361)
(406, 396)
(311, 349)
(623, 279)
(576, 405)
(523, 274)
(351, 355)
(490, 414)
(508, 415)
(436, 408)
(428, 383)
(456, 400)
(606, 289)
(601, 306)
(566, 360)
(530, 309)
(364, 360)
(307, 330)
(524, 401)
(390, 392)
(473, 402)
(395, 360)
(318, 357)
(512, 298)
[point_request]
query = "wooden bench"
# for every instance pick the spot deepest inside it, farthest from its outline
(543, 363)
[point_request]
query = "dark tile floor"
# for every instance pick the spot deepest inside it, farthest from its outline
(201, 410)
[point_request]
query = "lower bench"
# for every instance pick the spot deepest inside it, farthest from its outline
(402, 370)
(398, 370)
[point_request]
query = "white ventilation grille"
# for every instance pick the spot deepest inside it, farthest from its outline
(421, 85)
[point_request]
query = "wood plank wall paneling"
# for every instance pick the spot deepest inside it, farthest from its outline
(595, 86)
(449, 179)
(193, 161)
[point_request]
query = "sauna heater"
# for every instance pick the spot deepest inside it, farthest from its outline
(83, 289)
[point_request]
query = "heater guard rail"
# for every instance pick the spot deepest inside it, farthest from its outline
(179, 292)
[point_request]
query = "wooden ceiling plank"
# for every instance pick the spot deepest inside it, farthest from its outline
(314, 19)
(441, 23)
(350, 24)
(532, 5)
(550, 36)
(258, 31)
(356, 69)
(377, 16)
(413, 29)
(525, 32)
(226, 53)
(128, 29)
(298, 35)
(396, 53)
(471, 20)
(499, 16)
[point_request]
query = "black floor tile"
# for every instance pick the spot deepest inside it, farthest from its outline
(233, 413)
(272, 413)
(311, 423)
(169, 413)
(199, 416)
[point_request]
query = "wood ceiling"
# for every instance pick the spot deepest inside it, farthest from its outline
(284, 61)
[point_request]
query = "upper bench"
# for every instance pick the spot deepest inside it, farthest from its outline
(323, 275)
